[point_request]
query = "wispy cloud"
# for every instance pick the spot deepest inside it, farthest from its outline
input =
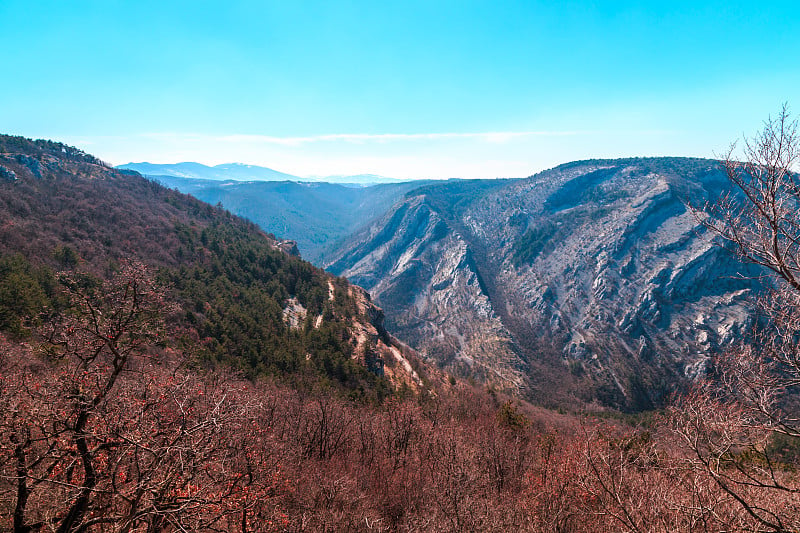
(497, 137)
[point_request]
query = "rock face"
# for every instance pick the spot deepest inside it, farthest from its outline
(591, 281)
(7, 174)
(290, 247)
(382, 353)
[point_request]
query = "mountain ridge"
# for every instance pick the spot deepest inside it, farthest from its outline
(591, 279)
(246, 172)
(224, 171)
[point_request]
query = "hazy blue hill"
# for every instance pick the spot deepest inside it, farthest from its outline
(242, 172)
(316, 215)
(227, 171)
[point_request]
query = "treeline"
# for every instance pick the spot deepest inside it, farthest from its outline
(41, 147)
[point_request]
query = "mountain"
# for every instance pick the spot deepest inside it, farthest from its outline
(242, 172)
(120, 410)
(227, 171)
(588, 282)
(315, 215)
(245, 303)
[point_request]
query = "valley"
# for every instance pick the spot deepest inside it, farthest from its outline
(141, 328)
(317, 216)
(590, 282)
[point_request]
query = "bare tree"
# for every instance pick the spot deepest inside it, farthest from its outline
(100, 430)
(731, 425)
(760, 218)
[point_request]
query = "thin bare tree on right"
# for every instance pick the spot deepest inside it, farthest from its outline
(742, 426)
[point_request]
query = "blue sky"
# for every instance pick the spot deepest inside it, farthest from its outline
(404, 89)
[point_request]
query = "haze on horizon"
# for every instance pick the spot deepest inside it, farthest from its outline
(416, 89)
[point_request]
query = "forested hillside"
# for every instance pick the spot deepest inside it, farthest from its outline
(61, 209)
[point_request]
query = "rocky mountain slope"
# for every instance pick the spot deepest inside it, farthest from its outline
(591, 281)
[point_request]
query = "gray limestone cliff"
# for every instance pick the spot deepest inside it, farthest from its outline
(589, 282)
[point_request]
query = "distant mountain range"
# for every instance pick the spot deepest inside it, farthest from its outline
(242, 172)
(315, 215)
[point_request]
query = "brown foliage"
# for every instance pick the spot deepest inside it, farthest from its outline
(729, 425)
(102, 432)
(103, 429)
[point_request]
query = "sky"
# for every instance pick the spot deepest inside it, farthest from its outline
(411, 89)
